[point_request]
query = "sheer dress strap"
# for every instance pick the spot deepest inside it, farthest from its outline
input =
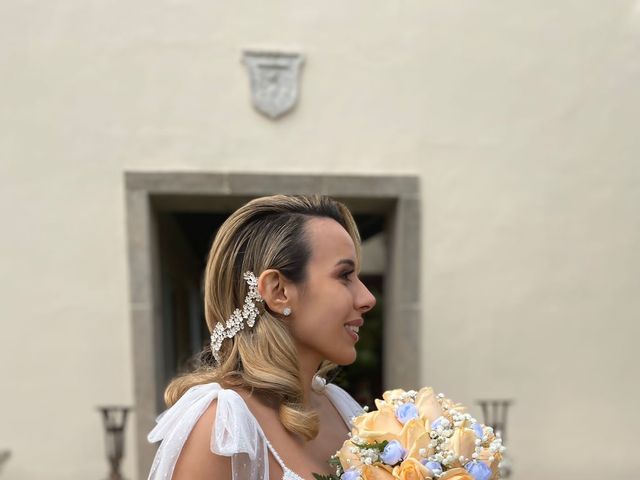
(174, 426)
(344, 403)
(235, 433)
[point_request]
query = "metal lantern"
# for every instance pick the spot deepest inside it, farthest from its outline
(4, 456)
(495, 416)
(115, 420)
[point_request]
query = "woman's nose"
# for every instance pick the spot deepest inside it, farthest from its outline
(366, 300)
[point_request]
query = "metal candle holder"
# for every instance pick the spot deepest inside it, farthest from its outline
(115, 420)
(4, 456)
(495, 416)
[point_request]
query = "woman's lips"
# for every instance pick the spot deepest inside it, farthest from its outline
(353, 331)
(353, 328)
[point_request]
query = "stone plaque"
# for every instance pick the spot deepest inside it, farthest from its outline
(274, 78)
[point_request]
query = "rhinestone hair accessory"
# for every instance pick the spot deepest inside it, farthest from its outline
(236, 321)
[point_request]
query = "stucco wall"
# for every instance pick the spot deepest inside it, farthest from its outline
(519, 117)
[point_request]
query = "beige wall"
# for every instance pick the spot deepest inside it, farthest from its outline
(519, 117)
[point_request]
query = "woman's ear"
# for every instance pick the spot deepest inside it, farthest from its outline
(275, 290)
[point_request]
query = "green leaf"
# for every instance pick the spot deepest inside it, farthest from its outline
(374, 446)
(317, 476)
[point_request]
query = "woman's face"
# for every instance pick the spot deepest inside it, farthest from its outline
(328, 309)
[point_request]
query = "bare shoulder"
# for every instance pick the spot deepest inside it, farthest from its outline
(197, 461)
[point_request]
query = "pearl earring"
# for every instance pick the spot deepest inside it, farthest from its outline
(286, 312)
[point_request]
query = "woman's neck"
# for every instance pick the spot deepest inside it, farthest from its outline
(309, 364)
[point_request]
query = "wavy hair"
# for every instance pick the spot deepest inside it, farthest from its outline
(266, 233)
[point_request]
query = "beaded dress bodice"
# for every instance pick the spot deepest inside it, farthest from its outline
(288, 474)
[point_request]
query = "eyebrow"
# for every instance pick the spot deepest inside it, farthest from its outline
(346, 261)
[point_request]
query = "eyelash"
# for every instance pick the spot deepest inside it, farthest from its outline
(345, 275)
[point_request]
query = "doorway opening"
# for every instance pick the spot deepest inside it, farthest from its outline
(171, 219)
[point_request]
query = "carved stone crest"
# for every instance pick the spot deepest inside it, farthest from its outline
(274, 78)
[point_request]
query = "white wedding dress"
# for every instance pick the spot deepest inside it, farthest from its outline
(236, 432)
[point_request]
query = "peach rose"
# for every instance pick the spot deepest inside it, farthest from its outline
(378, 426)
(414, 436)
(411, 469)
(428, 404)
(348, 459)
(463, 442)
(382, 405)
(484, 455)
(389, 395)
(370, 472)
(421, 442)
(456, 474)
(449, 404)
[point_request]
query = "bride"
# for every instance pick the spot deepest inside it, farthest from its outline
(284, 303)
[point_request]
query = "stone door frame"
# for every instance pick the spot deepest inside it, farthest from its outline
(397, 197)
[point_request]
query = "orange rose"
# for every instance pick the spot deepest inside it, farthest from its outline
(411, 469)
(414, 436)
(348, 459)
(389, 395)
(447, 402)
(463, 442)
(428, 404)
(375, 473)
(378, 426)
(382, 405)
(421, 442)
(456, 474)
(484, 455)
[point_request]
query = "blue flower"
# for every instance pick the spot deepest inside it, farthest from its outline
(351, 474)
(438, 422)
(393, 453)
(478, 470)
(406, 412)
(478, 429)
(435, 467)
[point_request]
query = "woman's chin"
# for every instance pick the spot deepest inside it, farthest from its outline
(345, 358)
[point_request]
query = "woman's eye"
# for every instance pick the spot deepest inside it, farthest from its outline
(346, 275)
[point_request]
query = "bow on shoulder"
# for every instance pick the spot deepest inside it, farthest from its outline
(235, 431)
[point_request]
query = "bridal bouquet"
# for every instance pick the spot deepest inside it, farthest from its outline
(417, 436)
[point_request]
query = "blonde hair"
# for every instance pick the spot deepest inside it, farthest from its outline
(266, 233)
